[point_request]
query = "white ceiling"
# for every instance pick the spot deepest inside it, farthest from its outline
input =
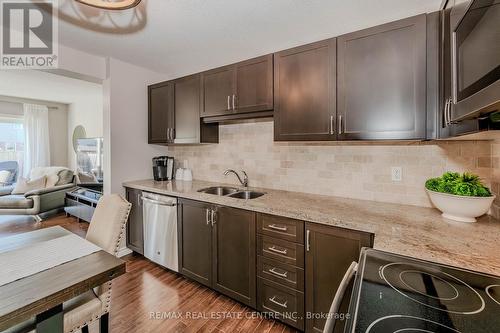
(179, 37)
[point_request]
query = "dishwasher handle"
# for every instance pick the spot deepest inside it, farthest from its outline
(157, 202)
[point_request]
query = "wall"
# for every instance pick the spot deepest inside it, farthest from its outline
(58, 125)
(87, 113)
(355, 170)
(84, 99)
(126, 124)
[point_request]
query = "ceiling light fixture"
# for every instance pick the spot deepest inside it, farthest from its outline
(114, 5)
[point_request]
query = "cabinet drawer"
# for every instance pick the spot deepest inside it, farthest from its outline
(287, 304)
(281, 227)
(284, 274)
(281, 250)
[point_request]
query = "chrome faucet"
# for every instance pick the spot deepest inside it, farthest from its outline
(243, 182)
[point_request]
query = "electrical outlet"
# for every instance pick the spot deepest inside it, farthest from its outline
(396, 174)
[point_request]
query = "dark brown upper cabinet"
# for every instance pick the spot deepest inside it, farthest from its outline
(305, 92)
(382, 82)
(244, 87)
(218, 90)
(161, 113)
(174, 113)
(329, 252)
(187, 106)
(254, 85)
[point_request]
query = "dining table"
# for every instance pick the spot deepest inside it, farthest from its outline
(42, 269)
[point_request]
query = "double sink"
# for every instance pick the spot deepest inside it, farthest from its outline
(231, 192)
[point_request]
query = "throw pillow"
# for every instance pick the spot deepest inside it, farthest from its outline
(23, 185)
(4, 176)
(65, 177)
(52, 180)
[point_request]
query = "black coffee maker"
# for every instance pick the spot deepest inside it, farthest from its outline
(163, 168)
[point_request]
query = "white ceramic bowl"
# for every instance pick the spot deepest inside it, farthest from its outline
(460, 208)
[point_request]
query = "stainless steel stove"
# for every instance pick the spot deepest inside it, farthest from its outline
(397, 294)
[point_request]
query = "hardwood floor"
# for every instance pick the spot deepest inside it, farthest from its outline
(149, 298)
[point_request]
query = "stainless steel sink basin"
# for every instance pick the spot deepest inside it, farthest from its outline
(246, 195)
(219, 190)
(232, 192)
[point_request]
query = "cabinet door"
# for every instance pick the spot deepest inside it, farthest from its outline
(254, 85)
(218, 90)
(187, 109)
(329, 252)
(195, 241)
(382, 81)
(234, 261)
(161, 119)
(135, 234)
(304, 90)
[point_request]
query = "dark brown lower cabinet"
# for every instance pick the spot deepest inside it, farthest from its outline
(285, 303)
(329, 252)
(233, 264)
(217, 248)
(195, 241)
(295, 281)
(135, 234)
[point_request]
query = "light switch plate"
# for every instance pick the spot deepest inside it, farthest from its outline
(396, 174)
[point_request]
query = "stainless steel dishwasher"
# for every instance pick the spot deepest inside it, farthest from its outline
(160, 229)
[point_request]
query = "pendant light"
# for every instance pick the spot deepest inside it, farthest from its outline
(114, 5)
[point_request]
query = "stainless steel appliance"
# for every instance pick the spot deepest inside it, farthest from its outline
(393, 293)
(163, 168)
(160, 229)
(476, 61)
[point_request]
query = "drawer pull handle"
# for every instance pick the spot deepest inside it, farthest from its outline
(274, 249)
(275, 272)
(273, 300)
(277, 227)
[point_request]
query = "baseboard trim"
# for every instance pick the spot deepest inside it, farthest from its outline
(123, 252)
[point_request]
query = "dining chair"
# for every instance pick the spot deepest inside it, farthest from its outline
(106, 230)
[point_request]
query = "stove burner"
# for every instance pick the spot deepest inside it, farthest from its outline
(447, 289)
(407, 324)
(432, 288)
(494, 292)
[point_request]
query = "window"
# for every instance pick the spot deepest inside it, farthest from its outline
(11, 139)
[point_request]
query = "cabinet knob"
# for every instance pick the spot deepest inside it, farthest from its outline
(228, 102)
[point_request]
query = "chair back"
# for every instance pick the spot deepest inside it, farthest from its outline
(107, 227)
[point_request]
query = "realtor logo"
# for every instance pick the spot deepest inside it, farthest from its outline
(28, 34)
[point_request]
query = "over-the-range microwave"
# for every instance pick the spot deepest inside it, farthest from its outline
(476, 60)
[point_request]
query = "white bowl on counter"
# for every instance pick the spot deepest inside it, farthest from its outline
(460, 208)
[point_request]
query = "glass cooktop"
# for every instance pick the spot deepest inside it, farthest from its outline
(396, 294)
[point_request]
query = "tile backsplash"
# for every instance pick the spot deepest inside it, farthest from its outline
(359, 170)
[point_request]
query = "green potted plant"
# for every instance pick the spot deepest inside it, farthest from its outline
(460, 197)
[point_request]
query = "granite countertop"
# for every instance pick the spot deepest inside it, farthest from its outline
(417, 232)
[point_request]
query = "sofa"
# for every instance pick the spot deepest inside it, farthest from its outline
(38, 202)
